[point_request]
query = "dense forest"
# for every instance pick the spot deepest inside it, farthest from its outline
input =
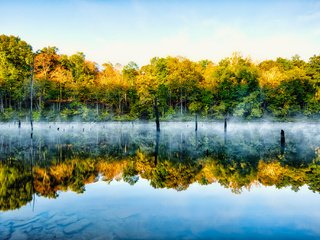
(62, 87)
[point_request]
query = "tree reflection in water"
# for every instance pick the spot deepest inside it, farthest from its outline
(70, 160)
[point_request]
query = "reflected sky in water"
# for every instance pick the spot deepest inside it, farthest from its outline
(120, 211)
(122, 181)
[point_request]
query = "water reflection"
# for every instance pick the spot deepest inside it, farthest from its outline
(64, 157)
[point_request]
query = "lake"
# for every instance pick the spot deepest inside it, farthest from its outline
(122, 180)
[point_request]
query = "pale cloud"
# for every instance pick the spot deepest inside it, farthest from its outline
(220, 43)
(141, 30)
(206, 38)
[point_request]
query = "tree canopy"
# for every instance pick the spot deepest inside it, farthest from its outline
(68, 87)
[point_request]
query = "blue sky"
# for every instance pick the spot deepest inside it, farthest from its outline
(123, 31)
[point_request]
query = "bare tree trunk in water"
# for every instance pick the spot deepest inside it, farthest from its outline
(282, 141)
(196, 121)
(156, 151)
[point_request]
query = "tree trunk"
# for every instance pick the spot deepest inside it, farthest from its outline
(156, 110)
(156, 151)
(31, 101)
(181, 105)
(1, 104)
(196, 121)
(97, 108)
(40, 102)
(282, 141)
(60, 99)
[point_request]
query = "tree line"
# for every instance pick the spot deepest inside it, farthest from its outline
(72, 87)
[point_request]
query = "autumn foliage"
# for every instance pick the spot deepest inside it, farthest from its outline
(72, 87)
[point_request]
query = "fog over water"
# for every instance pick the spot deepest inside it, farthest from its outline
(123, 180)
(240, 139)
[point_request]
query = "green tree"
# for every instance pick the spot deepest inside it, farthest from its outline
(16, 59)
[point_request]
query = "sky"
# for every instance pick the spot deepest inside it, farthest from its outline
(123, 31)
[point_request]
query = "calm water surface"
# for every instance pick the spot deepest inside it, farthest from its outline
(124, 181)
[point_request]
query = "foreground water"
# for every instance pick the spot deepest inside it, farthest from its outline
(124, 181)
